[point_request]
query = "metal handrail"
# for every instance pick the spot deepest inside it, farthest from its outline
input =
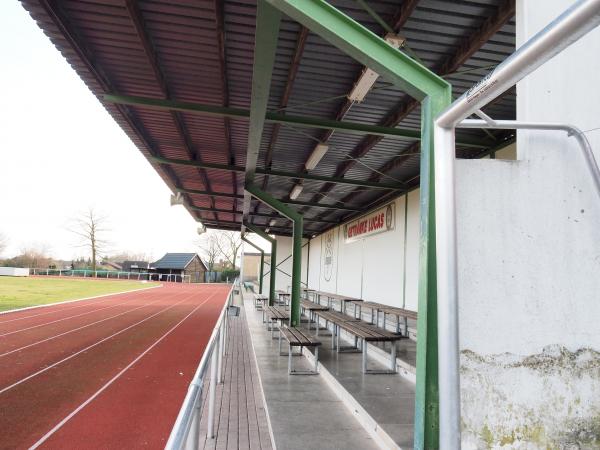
(571, 130)
(190, 412)
(566, 29)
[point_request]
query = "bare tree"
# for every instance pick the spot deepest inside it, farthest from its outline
(90, 227)
(35, 255)
(229, 244)
(209, 248)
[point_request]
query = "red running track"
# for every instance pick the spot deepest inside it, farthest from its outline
(105, 373)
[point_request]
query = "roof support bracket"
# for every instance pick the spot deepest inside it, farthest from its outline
(296, 218)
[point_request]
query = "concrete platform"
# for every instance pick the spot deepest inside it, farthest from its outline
(387, 400)
(304, 411)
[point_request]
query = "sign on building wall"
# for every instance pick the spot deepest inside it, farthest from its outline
(376, 222)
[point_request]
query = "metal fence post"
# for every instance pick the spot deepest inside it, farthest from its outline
(197, 419)
(212, 390)
(220, 376)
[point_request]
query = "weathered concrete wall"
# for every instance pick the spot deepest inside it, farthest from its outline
(529, 266)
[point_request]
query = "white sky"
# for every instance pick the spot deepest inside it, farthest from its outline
(61, 152)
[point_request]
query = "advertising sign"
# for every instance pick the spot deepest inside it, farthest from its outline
(376, 222)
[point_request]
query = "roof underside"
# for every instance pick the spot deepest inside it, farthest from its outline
(201, 51)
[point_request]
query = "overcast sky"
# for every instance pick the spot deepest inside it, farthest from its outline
(61, 152)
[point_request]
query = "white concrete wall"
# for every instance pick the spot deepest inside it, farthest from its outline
(14, 272)
(529, 266)
(373, 267)
(314, 264)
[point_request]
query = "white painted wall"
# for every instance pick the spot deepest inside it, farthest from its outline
(14, 272)
(371, 268)
(314, 264)
(529, 265)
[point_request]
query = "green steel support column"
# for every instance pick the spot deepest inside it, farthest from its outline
(296, 218)
(262, 262)
(273, 269)
(426, 395)
(434, 93)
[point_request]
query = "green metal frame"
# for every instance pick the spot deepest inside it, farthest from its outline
(279, 173)
(296, 219)
(434, 93)
(286, 201)
(283, 119)
(262, 261)
(273, 242)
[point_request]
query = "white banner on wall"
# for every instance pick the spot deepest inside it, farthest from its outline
(376, 222)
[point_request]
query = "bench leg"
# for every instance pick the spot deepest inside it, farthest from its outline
(364, 357)
(333, 336)
(317, 358)
(392, 363)
(280, 342)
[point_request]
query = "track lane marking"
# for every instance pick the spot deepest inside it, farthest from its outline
(76, 329)
(60, 320)
(116, 377)
(45, 369)
(67, 302)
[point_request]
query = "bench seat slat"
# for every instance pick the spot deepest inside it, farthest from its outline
(297, 337)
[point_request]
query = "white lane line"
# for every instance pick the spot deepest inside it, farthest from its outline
(60, 320)
(76, 329)
(2, 391)
(11, 311)
(113, 379)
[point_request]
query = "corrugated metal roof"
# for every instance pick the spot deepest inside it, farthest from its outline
(173, 49)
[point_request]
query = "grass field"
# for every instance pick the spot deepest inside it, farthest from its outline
(19, 292)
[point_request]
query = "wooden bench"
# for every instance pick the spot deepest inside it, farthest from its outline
(398, 312)
(260, 300)
(299, 338)
(333, 317)
(275, 314)
(283, 297)
(306, 305)
(367, 332)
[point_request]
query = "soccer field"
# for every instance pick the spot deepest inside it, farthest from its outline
(20, 292)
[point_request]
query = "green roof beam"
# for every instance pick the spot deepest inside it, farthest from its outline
(268, 20)
(279, 173)
(283, 119)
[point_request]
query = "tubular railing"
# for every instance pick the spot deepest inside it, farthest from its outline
(186, 431)
(574, 23)
(112, 274)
